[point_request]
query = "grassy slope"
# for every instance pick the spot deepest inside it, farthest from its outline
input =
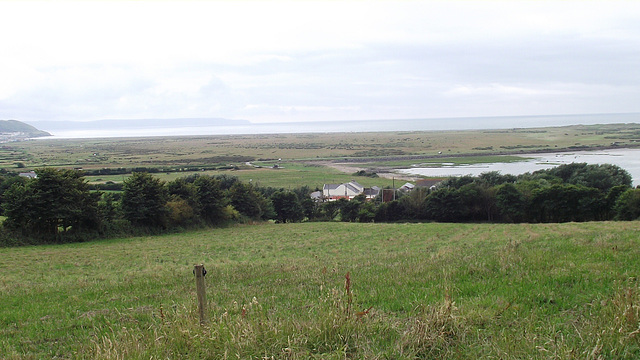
(8, 126)
(435, 291)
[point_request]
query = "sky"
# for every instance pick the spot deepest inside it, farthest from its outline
(280, 61)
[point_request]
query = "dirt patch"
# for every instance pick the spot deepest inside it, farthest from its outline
(350, 168)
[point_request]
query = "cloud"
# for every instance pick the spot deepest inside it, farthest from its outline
(502, 90)
(299, 60)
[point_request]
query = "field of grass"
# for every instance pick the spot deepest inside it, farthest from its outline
(203, 150)
(288, 175)
(279, 291)
(383, 150)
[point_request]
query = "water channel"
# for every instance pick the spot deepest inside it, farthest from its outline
(628, 159)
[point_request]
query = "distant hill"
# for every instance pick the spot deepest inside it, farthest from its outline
(18, 130)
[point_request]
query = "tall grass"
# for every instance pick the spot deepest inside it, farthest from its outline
(413, 291)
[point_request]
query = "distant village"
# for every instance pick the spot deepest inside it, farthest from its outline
(6, 137)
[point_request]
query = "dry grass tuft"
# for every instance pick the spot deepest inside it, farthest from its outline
(434, 332)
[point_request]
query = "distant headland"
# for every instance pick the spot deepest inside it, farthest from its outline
(14, 130)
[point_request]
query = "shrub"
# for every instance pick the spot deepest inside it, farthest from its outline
(628, 205)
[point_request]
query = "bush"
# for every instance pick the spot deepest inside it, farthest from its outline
(628, 205)
(179, 212)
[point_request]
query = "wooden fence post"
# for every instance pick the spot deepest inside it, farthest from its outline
(201, 293)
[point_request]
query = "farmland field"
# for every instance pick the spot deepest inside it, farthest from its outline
(309, 159)
(331, 291)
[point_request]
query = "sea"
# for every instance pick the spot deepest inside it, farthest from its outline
(231, 127)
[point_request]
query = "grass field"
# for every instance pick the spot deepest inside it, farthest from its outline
(203, 150)
(416, 291)
(308, 156)
(288, 175)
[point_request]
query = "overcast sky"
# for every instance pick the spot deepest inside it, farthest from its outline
(269, 61)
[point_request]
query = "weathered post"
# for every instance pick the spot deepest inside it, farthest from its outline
(200, 272)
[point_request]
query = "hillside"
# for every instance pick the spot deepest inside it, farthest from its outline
(331, 291)
(17, 130)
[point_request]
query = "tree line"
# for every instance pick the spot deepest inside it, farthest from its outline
(60, 206)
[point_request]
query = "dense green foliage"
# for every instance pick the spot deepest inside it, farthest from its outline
(627, 207)
(574, 192)
(143, 200)
(56, 202)
(287, 206)
(58, 205)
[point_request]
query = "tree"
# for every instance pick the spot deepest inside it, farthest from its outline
(600, 176)
(143, 200)
(56, 202)
(18, 209)
(445, 205)
(350, 209)
(6, 182)
(329, 210)
(107, 206)
(395, 211)
(612, 198)
(211, 199)
(179, 212)
(367, 212)
(456, 182)
(628, 205)
(478, 202)
(566, 202)
(309, 207)
(511, 203)
(184, 189)
(414, 203)
(287, 206)
(494, 178)
(227, 181)
(248, 201)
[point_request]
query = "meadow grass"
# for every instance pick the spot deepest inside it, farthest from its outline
(289, 175)
(331, 291)
(207, 150)
(306, 155)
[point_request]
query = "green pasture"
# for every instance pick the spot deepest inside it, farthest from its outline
(331, 291)
(305, 156)
(164, 152)
(287, 175)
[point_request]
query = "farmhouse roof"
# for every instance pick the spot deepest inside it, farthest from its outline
(373, 191)
(30, 175)
(407, 187)
(354, 186)
(428, 182)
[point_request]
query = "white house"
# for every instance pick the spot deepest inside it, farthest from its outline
(331, 192)
(30, 175)
(337, 191)
(407, 187)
